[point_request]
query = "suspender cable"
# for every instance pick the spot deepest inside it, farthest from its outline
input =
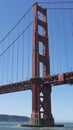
(65, 40)
(23, 57)
(51, 37)
(71, 47)
(17, 55)
(12, 64)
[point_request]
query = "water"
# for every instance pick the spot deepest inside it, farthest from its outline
(16, 126)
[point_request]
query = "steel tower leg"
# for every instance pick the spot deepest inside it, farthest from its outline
(41, 94)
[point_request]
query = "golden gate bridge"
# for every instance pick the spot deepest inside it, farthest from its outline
(26, 62)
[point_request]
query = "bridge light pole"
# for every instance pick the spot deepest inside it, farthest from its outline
(41, 94)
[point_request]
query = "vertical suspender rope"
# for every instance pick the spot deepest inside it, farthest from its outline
(65, 41)
(12, 61)
(17, 55)
(52, 44)
(23, 57)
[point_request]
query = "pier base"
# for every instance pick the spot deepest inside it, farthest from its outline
(41, 121)
(28, 125)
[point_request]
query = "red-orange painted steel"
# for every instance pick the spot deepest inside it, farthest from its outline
(58, 79)
(41, 110)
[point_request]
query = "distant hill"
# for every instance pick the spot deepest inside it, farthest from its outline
(13, 118)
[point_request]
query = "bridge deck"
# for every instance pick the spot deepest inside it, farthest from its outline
(58, 79)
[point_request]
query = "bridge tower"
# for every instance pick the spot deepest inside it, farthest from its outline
(41, 94)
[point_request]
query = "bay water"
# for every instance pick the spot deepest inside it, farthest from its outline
(16, 126)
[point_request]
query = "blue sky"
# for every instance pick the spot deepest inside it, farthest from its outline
(20, 103)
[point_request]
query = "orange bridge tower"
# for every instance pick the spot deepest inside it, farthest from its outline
(41, 94)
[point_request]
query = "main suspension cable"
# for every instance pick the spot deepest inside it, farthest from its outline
(16, 24)
(57, 2)
(60, 8)
(15, 39)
